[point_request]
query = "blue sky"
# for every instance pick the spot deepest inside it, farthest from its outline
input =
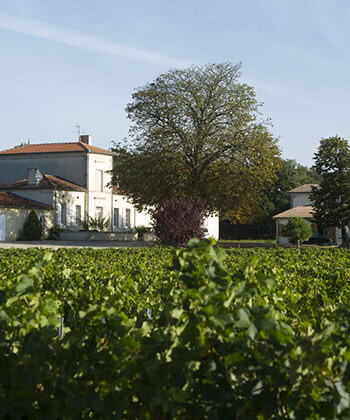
(66, 62)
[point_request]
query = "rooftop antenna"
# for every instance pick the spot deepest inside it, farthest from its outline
(77, 129)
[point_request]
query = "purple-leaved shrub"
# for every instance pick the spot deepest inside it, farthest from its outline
(177, 220)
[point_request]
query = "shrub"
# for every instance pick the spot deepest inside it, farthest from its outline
(32, 228)
(94, 224)
(141, 230)
(297, 230)
(177, 220)
(54, 233)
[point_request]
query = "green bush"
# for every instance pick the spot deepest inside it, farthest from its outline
(297, 230)
(54, 233)
(94, 224)
(32, 228)
(141, 230)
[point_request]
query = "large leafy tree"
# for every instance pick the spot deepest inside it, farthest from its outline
(198, 133)
(332, 199)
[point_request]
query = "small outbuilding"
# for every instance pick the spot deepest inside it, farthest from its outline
(14, 211)
(281, 219)
(301, 205)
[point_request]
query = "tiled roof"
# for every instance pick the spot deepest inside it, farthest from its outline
(306, 188)
(56, 148)
(303, 211)
(49, 182)
(9, 200)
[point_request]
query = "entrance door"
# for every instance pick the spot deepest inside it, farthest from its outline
(2, 227)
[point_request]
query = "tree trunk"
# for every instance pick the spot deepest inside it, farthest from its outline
(345, 232)
(299, 244)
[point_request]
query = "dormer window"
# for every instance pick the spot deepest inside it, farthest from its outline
(34, 176)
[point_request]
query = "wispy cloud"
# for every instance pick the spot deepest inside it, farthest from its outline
(78, 39)
(279, 91)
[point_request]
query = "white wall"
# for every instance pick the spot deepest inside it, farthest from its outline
(95, 198)
(71, 199)
(121, 203)
(212, 224)
(143, 219)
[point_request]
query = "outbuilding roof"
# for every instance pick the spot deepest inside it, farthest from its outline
(306, 188)
(306, 212)
(48, 182)
(56, 148)
(10, 200)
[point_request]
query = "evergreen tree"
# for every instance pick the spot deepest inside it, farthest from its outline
(331, 199)
(32, 229)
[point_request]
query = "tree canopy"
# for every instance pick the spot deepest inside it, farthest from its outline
(297, 230)
(331, 199)
(197, 133)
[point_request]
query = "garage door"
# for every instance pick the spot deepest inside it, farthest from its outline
(2, 227)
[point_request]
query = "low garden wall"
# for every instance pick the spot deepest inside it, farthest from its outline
(98, 236)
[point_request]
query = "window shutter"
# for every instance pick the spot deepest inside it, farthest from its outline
(68, 215)
(122, 218)
(116, 222)
(74, 215)
(59, 214)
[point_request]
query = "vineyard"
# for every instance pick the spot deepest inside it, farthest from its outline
(158, 333)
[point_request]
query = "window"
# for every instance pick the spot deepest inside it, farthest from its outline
(64, 214)
(78, 214)
(127, 218)
(99, 213)
(116, 217)
(99, 180)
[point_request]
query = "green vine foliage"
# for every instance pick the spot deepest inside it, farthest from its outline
(195, 333)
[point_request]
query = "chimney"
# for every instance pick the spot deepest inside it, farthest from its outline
(34, 176)
(86, 138)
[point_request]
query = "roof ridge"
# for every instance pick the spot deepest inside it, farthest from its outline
(77, 146)
(63, 179)
(38, 144)
(48, 180)
(84, 146)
